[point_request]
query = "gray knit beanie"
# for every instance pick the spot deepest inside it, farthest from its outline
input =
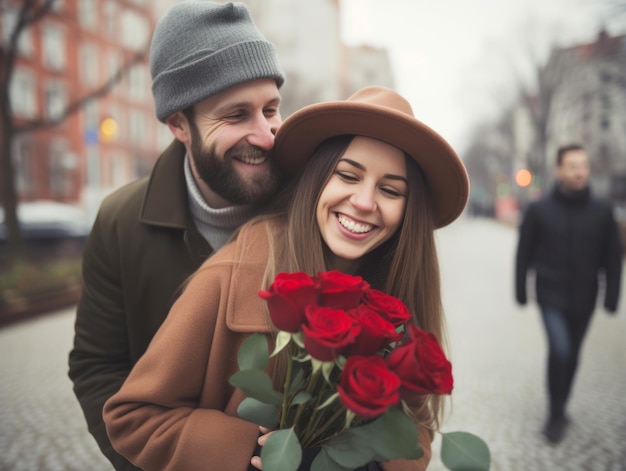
(201, 48)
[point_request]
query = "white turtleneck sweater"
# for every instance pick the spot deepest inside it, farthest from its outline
(215, 225)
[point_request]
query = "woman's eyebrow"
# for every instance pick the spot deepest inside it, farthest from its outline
(353, 163)
(386, 175)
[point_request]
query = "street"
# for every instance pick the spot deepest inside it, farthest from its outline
(497, 351)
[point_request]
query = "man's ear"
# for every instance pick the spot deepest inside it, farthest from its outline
(179, 125)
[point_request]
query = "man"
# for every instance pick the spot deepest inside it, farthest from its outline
(215, 85)
(568, 238)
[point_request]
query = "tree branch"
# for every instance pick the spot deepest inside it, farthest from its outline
(78, 104)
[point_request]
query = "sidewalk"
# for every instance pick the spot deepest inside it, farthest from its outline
(496, 348)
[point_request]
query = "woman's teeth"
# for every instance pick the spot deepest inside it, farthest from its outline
(353, 226)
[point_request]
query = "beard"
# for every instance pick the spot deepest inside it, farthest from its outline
(222, 177)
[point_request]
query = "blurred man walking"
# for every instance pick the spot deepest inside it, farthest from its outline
(569, 239)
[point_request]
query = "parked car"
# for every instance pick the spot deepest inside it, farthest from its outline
(46, 220)
(50, 230)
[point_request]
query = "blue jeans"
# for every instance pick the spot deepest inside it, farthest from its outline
(565, 332)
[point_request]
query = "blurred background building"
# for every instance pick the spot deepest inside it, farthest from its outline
(78, 119)
(81, 112)
(580, 97)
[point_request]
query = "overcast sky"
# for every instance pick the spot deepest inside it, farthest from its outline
(457, 60)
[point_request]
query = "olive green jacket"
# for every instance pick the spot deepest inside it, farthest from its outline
(142, 248)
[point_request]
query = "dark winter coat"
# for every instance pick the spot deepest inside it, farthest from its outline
(569, 240)
(142, 248)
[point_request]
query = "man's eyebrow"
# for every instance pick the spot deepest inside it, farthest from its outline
(389, 176)
(245, 104)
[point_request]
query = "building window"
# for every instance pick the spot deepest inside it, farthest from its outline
(136, 127)
(91, 115)
(138, 83)
(22, 93)
(61, 165)
(118, 170)
(88, 14)
(111, 13)
(55, 99)
(23, 162)
(134, 30)
(113, 65)
(93, 168)
(88, 64)
(53, 46)
(25, 41)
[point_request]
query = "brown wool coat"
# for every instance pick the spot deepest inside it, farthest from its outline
(176, 410)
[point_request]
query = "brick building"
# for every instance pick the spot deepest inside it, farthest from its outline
(70, 53)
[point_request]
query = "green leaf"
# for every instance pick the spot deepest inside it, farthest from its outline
(253, 353)
(299, 339)
(282, 451)
(317, 365)
(328, 401)
(297, 381)
(258, 412)
(349, 449)
(301, 398)
(323, 462)
(327, 368)
(256, 384)
(401, 436)
(303, 359)
(282, 340)
(350, 416)
(391, 436)
(463, 451)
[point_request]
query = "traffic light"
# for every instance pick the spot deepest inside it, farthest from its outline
(523, 178)
(108, 129)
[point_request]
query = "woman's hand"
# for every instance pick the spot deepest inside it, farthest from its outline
(262, 440)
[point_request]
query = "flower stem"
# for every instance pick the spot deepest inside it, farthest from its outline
(331, 421)
(287, 387)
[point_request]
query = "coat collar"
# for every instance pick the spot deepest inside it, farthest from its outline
(571, 198)
(165, 203)
(246, 311)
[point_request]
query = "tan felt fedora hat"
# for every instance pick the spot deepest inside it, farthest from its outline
(383, 114)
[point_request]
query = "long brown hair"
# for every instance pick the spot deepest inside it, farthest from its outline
(406, 266)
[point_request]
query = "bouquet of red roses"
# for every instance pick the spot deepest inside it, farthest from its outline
(354, 363)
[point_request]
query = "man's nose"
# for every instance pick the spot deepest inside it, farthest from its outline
(263, 133)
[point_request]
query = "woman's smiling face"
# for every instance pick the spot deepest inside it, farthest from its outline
(364, 200)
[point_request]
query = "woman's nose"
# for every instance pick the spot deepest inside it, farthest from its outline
(363, 198)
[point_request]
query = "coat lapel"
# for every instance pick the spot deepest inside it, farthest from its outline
(246, 310)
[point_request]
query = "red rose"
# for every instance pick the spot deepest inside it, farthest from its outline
(367, 387)
(328, 332)
(340, 290)
(375, 334)
(421, 365)
(388, 307)
(287, 298)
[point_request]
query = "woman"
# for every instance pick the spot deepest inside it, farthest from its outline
(375, 183)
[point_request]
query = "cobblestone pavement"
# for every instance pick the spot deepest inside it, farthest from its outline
(498, 354)
(497, 350)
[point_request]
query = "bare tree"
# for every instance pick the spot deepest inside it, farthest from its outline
(31, 12)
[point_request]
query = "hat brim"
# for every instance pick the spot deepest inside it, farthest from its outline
(446, 177)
